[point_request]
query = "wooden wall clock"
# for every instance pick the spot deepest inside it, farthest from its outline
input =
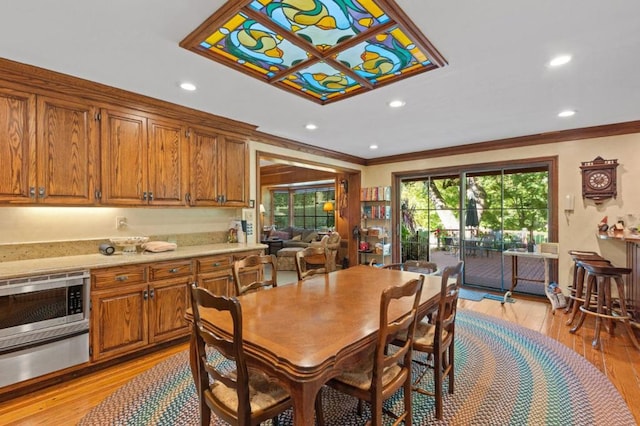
(599, 180)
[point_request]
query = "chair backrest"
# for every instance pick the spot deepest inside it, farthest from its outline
(311, 261)
(228, 346)
(449, 289)
(331, 244)
(249, 274)
(391, 329)
(421, 266)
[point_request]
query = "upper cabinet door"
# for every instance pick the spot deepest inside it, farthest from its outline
(168, 163)
(203, 185)
(233, 173)
(17, 146)
(124, 157)
(67, 152)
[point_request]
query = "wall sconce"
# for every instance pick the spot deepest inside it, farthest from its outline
(262, 210)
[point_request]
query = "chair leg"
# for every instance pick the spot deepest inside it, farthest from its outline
(585, 305)
(623, 310)
(600, 283)
(408, 417)
(451, 369)
(205, 413)
(437, 383)
(578, 288)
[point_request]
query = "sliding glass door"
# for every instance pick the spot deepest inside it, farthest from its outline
(474, 215)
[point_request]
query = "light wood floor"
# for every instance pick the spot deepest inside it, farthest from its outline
(66, 404)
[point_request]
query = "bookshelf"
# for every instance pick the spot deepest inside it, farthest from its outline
(375, 211)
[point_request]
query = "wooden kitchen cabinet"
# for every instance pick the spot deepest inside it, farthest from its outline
(17, 145)
(215, 273)
(233, 173)
(67, 152)
(219, 169)
(169, 299)
(58, 163)
(144, 159)
(138, 305)
(119, 321)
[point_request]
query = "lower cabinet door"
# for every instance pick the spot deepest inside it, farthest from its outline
(219, 283)
(119, 319)
(167, 307)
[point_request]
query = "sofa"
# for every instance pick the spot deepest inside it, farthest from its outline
(293, 236)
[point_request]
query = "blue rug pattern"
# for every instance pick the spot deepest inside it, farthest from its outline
(505, 375)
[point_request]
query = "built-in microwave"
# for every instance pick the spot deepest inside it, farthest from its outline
(44, 324)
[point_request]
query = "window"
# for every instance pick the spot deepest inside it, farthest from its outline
(303, 207)
(474, 213)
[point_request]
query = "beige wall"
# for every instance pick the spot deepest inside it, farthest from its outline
(577, 229)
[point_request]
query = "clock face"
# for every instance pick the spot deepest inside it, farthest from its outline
(599, 180)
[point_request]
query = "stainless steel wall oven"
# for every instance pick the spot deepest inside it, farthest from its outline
(44, 325)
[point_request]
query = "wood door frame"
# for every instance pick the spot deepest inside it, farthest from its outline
(344, 224)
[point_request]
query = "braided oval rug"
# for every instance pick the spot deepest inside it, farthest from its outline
(505, 375)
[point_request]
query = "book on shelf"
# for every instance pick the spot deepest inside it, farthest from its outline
(375, 193)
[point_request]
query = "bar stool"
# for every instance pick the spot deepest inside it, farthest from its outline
(599, 281)
(577, 287)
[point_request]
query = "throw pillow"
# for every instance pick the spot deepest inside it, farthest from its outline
(311, 237)
(297, 238)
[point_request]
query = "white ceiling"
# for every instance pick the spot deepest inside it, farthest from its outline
(497, 84)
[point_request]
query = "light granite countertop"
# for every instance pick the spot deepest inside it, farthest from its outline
(52, 265)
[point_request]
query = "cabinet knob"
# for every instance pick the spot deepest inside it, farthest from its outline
(216, 264)
(174, 270)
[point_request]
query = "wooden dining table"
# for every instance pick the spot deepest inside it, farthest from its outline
(304, 334)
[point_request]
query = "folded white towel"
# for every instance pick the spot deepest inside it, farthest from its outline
(158, 246)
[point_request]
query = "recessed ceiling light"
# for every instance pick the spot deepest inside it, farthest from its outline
(560, 60)
(310, 126)
(396, 104)
(188, 86)
(373, 146)
(566, 113)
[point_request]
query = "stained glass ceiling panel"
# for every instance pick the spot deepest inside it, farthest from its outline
(324, 50)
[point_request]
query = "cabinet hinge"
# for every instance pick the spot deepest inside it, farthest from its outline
(90, 350)
(98, 116)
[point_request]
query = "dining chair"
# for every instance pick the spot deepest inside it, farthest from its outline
(239, 396)
(249, 273)
(382, 373)
(436, 337)
(311, 261)
(421, 266)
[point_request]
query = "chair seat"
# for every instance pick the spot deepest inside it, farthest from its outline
(361, 375)
(424, 335)
(262, 393)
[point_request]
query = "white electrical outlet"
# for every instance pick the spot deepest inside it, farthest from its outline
(121, 222)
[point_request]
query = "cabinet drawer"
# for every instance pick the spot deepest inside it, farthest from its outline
(214, 263)
(123, 275)
(164, 270)
(242, 255)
